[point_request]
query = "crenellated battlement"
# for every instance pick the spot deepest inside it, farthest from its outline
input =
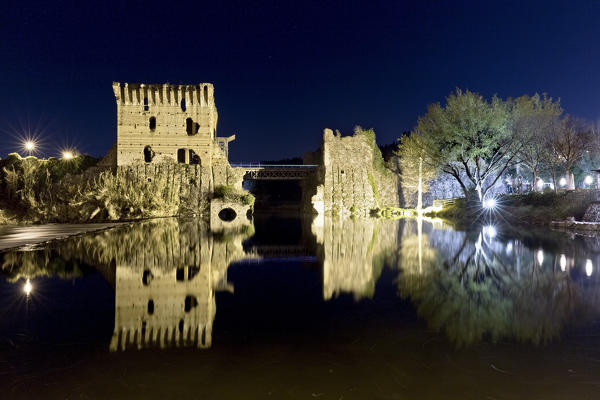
(199, 95)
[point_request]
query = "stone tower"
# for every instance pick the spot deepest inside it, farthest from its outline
(164, 122)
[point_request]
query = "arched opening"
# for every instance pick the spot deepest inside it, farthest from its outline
(183, 105)
(180, 275)
(152, 124)
(146, 106)
(194, 158)
(147, 277)
(150, 307)
(227, 214)
(275, 195)
(189, 303)
(148, 154)
(180, 326)
(206, 95)
(181, 155)
(189, 126)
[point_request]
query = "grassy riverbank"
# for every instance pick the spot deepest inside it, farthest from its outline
(530, 209)
(33, 190)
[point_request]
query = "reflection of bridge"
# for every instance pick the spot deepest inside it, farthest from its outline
(276, 251)
(258, 171)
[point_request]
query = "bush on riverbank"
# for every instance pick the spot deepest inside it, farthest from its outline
(229, 193)
(538, 208)
(55, 190)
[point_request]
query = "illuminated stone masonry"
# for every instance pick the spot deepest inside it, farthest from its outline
(164, 122)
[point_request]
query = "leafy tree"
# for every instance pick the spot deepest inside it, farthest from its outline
(470, 139)
(569, 140)
(533, 120)
(416, 166)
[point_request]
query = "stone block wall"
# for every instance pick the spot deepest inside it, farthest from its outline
(164, 121)
(347, 181)
(192, 184)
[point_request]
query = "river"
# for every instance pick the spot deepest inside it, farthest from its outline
(298, 308)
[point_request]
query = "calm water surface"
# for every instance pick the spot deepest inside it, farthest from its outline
(301, 309)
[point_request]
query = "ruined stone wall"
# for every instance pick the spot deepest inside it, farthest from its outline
(192, 185)
(167, 118)
(347, 181)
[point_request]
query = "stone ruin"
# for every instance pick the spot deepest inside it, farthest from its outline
(164, 122)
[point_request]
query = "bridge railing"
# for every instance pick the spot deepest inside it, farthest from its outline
(261, 165)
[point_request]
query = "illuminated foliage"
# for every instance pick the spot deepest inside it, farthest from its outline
(469, 139)
(533, 121)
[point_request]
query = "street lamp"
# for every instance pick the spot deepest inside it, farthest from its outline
(588, 180)
(67, 155)
(29, 145)
(540, 184)
(562, 182)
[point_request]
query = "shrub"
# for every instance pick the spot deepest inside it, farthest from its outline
(224, 192)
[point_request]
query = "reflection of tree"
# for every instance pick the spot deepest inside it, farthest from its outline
(29, 264)
(415, 249)
(481, 291)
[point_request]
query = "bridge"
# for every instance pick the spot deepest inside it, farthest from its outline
(279, 251)
(258, 171)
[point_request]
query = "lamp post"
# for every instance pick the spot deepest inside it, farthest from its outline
(597, 171)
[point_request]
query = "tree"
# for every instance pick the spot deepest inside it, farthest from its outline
(470, 139)
(416, 167)
(533, 120)
(569, 140)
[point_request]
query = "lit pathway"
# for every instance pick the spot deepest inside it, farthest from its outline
(12, 236)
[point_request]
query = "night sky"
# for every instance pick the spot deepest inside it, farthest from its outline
(283, 70)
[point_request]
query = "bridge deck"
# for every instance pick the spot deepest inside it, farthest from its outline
(276, 171)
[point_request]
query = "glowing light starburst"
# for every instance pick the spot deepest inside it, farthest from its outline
(68, 153)
(29, 145)
(28, 287)
(489, 203)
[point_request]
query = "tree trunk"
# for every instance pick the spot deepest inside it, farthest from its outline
(570, 179)
(420, 187)
(535, 181)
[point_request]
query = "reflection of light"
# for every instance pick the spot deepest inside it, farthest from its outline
(562, 182)
(540, 183)
(589, 267)
(489, 203)
(67, 155)
(509, 248)
(563, 262)
(540, 256)
(588, 180)
(490, 231)
(27, 288)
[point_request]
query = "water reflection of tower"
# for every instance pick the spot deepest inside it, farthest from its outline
(164, 308)
(165, 285)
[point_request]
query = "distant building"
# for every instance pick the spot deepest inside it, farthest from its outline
(164, 122)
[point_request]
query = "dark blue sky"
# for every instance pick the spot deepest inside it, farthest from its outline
(283, 70)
